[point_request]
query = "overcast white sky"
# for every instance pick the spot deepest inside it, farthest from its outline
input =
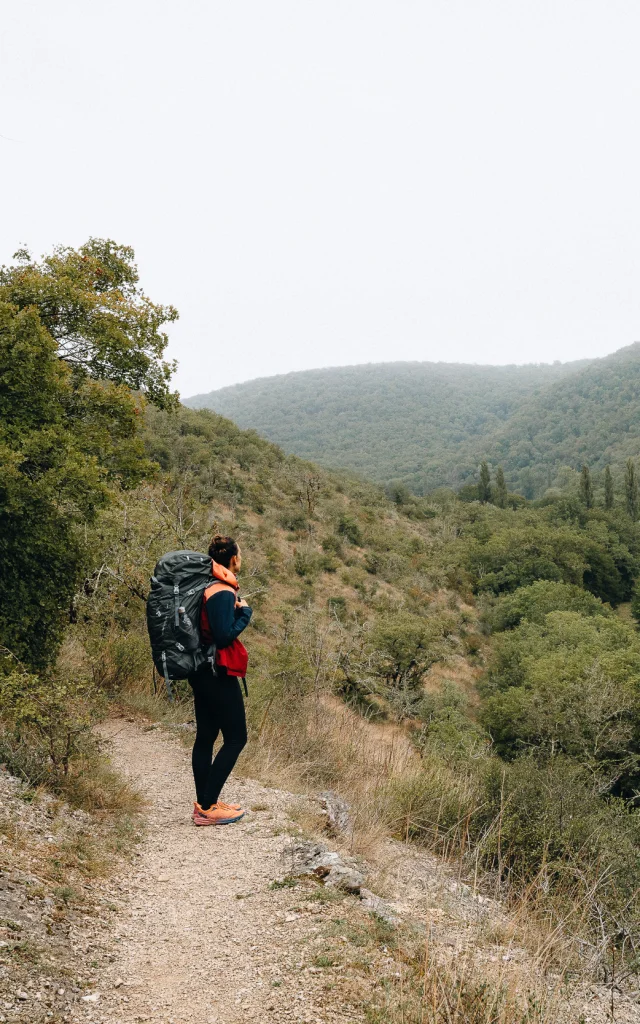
(314, 182)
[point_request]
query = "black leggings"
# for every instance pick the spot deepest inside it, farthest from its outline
(219, 708)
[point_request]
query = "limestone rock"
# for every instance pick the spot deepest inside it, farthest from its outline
(309, 858)
(376, 905)
(338, 813)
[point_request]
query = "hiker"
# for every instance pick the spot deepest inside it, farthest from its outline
(217, 697)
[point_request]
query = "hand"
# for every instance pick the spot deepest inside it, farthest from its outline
(241, 603)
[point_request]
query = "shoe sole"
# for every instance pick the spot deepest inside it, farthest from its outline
(218, 821)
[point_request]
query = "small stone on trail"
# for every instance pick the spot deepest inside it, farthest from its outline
(22, 995)
(118, 982)
(163, 878)
(93, 998)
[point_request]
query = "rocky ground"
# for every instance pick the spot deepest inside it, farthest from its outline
(263, 920)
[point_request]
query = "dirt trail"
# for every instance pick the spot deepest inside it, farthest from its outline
(203, 937)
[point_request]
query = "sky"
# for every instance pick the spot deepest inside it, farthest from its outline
(318, 183)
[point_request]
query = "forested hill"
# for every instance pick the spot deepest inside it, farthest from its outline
(386, 420)
(429, 424)
(591, 416)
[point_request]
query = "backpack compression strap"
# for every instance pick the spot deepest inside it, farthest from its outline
(167, 681)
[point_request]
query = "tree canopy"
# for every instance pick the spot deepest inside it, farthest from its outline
(428, 425)
(76, 339)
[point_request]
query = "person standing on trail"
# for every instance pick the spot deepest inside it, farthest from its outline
(218, 700)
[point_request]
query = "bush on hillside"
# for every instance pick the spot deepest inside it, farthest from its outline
(448, 727)
(534, 602)
(542, 829)
(46, 723)
(569, 685)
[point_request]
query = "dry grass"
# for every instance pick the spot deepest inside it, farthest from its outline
(430, 992)
(54, 862)
(334, 747)
(390, 791)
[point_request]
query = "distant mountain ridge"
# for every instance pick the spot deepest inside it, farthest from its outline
(429, 424)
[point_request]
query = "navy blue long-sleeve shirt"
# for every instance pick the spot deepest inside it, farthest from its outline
(226, 622)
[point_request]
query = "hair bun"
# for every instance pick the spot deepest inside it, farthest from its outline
(223, 549)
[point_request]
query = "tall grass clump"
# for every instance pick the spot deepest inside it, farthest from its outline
(537, 834)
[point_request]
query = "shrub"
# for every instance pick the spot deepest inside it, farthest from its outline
(333, 545)
(405, 645)
(337, 606)
(327, 563)
(534, 602)
(349, 528)
(306, 563)
(569, 685)
(448, 726)
(541, 827)
(554, 827)
(293, 519)
(46, 724)
(121, 660)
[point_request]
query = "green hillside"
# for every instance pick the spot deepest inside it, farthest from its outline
(492, 641)
(591, 416)
(429, 424)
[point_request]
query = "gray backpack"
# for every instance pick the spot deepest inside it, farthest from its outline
(173, 613)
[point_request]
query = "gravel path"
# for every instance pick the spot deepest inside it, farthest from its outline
(203, 938)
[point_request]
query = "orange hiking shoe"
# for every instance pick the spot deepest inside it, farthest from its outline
(217, 814)
(198, 812)
(234, 807)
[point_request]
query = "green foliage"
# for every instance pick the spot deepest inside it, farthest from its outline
(448, 725)
(428, 425)
(559, 541)
(307, 563)
(484, 487)
(102, 324)
(75, 335)
(569, 685)
(542, 827)
(533, 603)
(500, 497)
(398, 492)
(608, 488)
(46, 723)
(552, 820)
(406, 646)
(586, 488)
(631, 489)
(521, 550)
(349, 529)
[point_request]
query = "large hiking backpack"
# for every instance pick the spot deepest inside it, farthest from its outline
(173, 613)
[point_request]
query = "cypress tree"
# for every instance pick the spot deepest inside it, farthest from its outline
(586, 487)
(484, 487)
(608, 488)
(501, 489)
(631, 489)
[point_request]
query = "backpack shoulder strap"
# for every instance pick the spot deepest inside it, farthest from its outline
(216, 588)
